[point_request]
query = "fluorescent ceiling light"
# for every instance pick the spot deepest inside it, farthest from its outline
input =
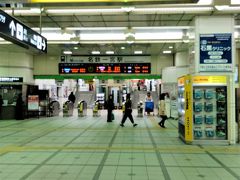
(235, 1)
(46, 29)
(205, 2)
(138, 52)
(170, 47)
(222, 7)
(65, 11)
(122, 47)
(31, 11)
(227, 8)
(67, 52)
(75, 47)
(160, 35)
(57, 36)
(167, 52)
(169, 10)
(95, 52)
(95, 28)
(162, 28)
(102, 36)
(128, 9)
(109, 52)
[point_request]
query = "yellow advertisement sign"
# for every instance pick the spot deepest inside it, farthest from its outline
(188, 109)
(209, 80)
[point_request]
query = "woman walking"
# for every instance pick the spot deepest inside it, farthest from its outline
(162, 111)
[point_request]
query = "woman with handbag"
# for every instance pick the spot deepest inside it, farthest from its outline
(162, 111)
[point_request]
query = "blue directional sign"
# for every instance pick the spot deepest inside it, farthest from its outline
(216, 52)
(16, 32)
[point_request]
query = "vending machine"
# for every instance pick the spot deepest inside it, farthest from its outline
(203, 108)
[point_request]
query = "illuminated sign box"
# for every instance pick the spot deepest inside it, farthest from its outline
(11, 79)
(105, 68)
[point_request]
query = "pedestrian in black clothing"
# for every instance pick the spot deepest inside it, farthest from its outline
(128, 112)
(110, 107)
(19, 108)
(72, 97)
(150, 86)
(139, 85)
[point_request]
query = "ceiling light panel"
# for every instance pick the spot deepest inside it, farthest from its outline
(160, 35)
(138, 52)
(172, 10)
(167, 52)
(102, 36)
(205, 2)
(95, 52)
(80, 11)
(24, 12)
(235, 1)
(67, 52)
(226, 8)
(95, 28)
(57, 36)
(109, 52)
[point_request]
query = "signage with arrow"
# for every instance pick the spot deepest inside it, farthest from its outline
(16, 32)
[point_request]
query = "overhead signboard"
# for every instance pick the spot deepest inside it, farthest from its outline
(106, 59)
(18, 33)
(216, 52)
(105, 68)
(11, 79)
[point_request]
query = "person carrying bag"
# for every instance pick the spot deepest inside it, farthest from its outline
(162, 111)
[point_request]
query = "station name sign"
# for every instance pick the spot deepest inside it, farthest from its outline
(11, 79)
(18, 33)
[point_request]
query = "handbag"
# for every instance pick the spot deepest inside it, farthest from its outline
(112, 117)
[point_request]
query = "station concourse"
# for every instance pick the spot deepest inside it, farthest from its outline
(186, 51)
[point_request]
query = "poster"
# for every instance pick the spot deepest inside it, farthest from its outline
(33, 103)
(216, 52)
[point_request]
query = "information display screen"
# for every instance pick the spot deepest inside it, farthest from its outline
(105, 68)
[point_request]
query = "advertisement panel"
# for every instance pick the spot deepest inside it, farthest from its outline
(188, 109)
(33, 103)
(216, 52)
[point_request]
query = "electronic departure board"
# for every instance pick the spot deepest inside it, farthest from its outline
(105, 68)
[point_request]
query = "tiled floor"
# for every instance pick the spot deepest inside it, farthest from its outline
(89, 148)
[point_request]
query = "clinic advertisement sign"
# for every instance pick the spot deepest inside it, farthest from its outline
(216, 52)
(33, 103)
(13, 30)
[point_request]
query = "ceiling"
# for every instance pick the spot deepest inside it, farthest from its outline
(102, 19)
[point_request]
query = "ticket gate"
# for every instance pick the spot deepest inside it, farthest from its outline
(82, 108)
(68, 109)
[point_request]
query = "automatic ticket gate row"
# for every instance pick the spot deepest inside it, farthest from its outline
(68, 108)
